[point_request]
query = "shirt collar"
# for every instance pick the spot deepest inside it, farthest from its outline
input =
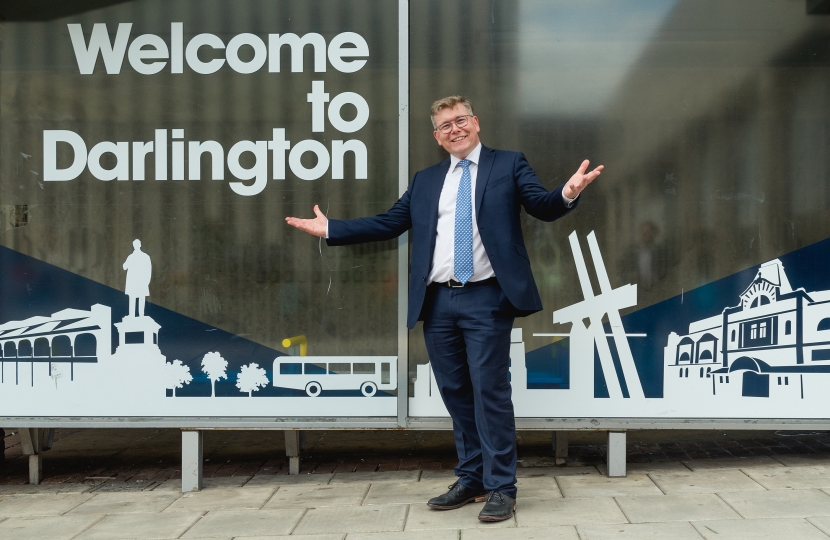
(472, 157)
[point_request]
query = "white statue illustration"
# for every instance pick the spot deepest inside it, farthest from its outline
(139, 270)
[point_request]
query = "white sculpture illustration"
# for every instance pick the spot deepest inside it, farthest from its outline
(215, 367)
(251, 378)
(139, 271)
(594, 308)
(177, 375)
(138, 334)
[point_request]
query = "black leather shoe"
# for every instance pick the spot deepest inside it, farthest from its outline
(498, 508)
(456, 497)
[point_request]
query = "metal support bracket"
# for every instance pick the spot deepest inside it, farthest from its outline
(33, 442)
(292, 450)
(192, 460)
(560, 447)
(616, 453)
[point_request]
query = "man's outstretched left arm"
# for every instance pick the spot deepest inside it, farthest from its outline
(550, 205)
(580, 180)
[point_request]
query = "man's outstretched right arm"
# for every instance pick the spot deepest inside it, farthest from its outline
(316, 226)
(386, 226)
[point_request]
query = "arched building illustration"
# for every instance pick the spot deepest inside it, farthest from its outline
(32, 347)
(776, 341)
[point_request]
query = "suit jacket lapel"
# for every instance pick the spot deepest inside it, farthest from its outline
(435, 187)
(485, 165)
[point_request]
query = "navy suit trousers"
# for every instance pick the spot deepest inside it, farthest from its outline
(467, 333)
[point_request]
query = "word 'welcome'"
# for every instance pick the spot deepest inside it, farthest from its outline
(149, 54)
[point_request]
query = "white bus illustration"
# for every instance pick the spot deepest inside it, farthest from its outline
(317, 373)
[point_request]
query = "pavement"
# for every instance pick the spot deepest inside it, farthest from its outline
(124, 484)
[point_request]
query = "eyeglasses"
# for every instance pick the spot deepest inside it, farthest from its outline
(460, 122)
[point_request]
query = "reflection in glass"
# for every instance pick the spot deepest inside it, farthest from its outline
(713, 128)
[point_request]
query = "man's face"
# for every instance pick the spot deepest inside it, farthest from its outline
(459, 141)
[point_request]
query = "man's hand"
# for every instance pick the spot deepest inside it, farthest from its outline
(316, 226)
(580, 180)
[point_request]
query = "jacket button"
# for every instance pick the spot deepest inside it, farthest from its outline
(424, 278)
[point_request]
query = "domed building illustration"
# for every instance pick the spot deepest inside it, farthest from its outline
(774, 343)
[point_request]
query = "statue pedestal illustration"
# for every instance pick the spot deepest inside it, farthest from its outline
(137, 339)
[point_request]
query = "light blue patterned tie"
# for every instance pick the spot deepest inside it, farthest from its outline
(464, 226)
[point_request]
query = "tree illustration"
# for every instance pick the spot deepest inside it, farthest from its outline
(216, 368)
(177, 375)
(251, 378)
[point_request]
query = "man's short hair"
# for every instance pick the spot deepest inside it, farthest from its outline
(449, 102)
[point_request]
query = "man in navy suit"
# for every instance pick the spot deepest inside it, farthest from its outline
(469, 278)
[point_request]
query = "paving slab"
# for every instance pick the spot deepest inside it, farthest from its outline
(798, 460)
(678, 507)
(126, 503)
(222, 498)
(274, 480)
(146, 526)
(28, 489)
(41, 505)
(405, 493)
(705, 481)
(731, 463)
(565, 532)
(659, 466)
(638, 531)
(173, 484)
(338, 519)
(422, 517)
(40, 527)
(375, 477)
(224, 481)
(538, 487)
(449, 534)
(240, 522)
(582, 470)
(759, 529)
(822, 523)
(782, 503)
(805, 477)
(444, 474)
(316, 496)
(568, 511)
(602, 486)
(308, 537)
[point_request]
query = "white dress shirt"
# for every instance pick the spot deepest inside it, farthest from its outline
(443, 258)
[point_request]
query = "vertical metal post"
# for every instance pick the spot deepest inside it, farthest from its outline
(292, 450)
(560, 447)
(32, 444)
(35, 468)
(403, 184)
(192, 460)
(616, 453)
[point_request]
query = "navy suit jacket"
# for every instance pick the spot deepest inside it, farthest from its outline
(505, 183)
